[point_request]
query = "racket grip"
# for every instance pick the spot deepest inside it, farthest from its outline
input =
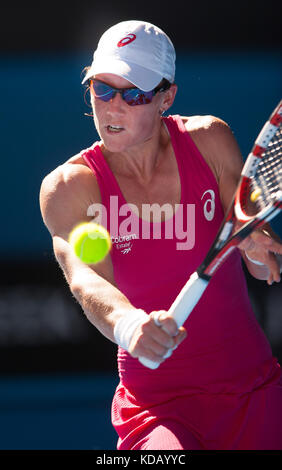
(188, 298)
(182, 307)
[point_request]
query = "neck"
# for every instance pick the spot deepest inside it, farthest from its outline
(141, 161)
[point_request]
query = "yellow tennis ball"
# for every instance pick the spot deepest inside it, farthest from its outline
(91, 242)
(255, 194)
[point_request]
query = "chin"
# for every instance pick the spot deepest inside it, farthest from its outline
(116, 143)
(114, 147)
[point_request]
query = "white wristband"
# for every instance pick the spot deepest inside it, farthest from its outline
(125, 327)
(258, 263)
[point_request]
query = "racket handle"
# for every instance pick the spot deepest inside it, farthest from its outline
(188, 298)
(182, 307)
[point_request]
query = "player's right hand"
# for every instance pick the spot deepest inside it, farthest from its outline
(157, 337)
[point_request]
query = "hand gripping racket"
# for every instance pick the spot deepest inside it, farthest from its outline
(261, 183)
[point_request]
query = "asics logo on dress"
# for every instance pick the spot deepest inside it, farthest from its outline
(209, 206)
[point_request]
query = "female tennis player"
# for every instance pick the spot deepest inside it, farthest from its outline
(164, 184)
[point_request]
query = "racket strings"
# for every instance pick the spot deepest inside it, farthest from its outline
(268, 178)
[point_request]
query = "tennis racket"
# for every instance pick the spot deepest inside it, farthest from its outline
(257, 200)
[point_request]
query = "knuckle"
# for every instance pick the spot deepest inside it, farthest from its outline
(153, 356)
(170, 326)
(162, 351)
(166, 339)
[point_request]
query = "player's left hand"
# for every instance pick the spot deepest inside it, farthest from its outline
(264, 245)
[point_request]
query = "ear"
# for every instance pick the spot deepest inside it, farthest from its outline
(168, 98)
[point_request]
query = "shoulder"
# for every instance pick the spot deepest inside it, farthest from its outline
(219, 148)
(66, 177)
(216, 142)
(206, 127)
(66, 193)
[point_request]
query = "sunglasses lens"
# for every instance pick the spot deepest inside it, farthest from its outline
(134, 96)
(102, 91)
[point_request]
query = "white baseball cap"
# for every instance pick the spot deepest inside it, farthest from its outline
(137, 51)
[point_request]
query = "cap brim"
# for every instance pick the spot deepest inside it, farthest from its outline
(139, 76)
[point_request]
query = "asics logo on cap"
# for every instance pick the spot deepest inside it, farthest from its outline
(127, 40)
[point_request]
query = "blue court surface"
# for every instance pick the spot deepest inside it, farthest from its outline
(57, 412)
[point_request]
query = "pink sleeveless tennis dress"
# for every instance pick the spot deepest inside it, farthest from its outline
(221, 388)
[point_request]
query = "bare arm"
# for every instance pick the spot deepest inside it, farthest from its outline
(65, 197)
(99, 298)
